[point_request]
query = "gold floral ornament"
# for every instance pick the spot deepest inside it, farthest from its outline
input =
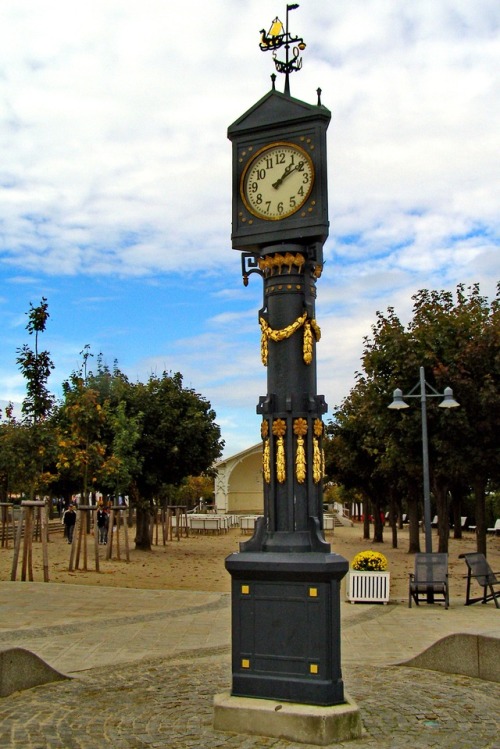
(318, 427)
(310, 327)
(279, 427)
(300, 429)
(279, 430)
(264, 429)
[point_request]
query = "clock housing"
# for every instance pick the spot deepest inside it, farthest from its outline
(279, 140)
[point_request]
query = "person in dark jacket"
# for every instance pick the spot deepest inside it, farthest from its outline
(69, 522)
(102, 524)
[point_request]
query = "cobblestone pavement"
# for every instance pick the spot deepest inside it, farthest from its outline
(145, 666)
(169, 703)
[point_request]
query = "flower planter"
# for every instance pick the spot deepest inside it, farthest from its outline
(368, 587)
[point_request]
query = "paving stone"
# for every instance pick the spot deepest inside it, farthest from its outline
(148, 664)
(160, 704)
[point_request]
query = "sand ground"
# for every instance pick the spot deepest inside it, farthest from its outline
(197, 562)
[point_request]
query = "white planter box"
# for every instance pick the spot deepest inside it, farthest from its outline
(368, 587)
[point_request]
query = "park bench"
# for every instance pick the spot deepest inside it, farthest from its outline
(429, 579)
(479, 570)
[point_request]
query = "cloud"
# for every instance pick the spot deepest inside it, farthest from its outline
(115, 176)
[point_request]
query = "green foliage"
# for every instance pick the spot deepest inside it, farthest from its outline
(179, 436)
(106, 434)
(36, 366)
(456, 338)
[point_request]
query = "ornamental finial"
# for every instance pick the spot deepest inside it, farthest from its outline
(278, 37)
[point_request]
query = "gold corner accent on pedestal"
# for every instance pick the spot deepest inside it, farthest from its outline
(245, 590)
(313, 668)
(313, 592)
(245, 663)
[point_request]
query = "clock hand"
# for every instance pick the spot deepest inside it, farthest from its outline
(290, 168)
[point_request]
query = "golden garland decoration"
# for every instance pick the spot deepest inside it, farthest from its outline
(310, 326)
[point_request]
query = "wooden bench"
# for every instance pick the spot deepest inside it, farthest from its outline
(479, 570)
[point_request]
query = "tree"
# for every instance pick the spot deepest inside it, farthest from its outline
(457, 341)
(179, 438)
(82, 451)
(97, 437)
(35, 432)
(36, 367)
(194, 488)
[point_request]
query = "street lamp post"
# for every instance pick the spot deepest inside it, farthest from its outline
(448, 402)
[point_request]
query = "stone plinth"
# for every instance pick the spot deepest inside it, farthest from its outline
(307, 724)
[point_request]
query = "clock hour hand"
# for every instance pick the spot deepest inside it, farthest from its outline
(289, 169)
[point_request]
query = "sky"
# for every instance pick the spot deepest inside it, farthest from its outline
(115, 179)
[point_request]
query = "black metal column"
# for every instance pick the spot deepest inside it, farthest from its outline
(285, 580)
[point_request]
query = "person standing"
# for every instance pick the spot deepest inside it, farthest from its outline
(102, 524)
(69, 522)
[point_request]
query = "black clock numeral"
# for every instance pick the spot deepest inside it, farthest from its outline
(269, 162)
(293, 202)
(260, 174)
(301, 191)
(258, 199)
(280, 158)
(268, 206)
(254, 186)
(279, 207)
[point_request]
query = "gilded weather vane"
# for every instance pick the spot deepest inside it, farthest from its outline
(278, 37)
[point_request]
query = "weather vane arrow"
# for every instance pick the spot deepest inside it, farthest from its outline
(278, 37)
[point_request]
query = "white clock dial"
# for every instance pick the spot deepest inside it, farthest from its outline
(277, 181)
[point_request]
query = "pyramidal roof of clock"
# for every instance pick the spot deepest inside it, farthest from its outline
(274, 110)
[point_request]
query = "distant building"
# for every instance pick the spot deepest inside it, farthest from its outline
(238, 483)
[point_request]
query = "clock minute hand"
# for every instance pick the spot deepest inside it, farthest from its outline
(290, 168)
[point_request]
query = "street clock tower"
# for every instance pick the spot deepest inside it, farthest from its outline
(285, 579)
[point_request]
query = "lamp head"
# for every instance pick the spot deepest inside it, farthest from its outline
(448, 400)
(397, 400)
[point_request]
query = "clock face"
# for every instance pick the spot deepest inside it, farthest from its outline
(277, 181)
